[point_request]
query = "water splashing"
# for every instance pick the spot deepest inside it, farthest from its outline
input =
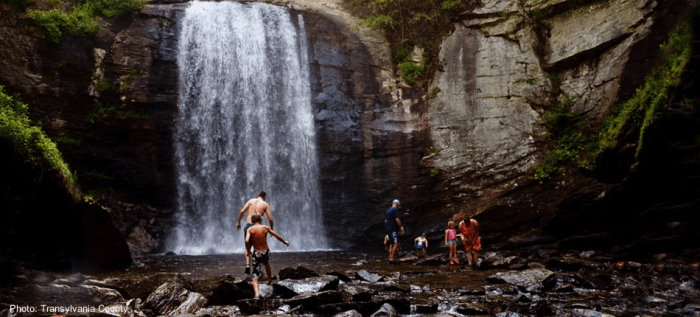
(245, 124)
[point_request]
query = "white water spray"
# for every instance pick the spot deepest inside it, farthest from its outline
(245, 124)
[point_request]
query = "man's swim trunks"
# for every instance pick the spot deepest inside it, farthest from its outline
(260, 259)
(420, 245)
(245, 229)
(393, 238)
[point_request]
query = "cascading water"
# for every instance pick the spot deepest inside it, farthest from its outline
(245, 124)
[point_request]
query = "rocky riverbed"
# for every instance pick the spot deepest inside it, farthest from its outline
(537, 282)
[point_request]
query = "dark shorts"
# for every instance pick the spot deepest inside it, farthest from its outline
(393, 238)
(260, 259)
(245, 229)
(420, 246)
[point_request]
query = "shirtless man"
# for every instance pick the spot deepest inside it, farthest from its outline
(254, 206)
(257, 237)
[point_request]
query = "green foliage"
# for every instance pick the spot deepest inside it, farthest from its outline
(81, 20)
(648, 100)
(114, 8)
(449, 4)
(432, 151)
(103, 86)
(434, 172)
(126, 81)
(411, 72)
(409, 23)
(121, 112)
(29, 143)
(95, 176)
(55, 23)
(572, 143)
(378, 22)
(402, 54)
(66, 141)
(529, 80)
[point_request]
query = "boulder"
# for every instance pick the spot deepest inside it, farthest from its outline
(349, 313)
(356, 292)
(174, 295)
(522, 279)
(308, 285)
(296, 274)
(364, 275)
(386, 310)
(228, 292)
(312, 300)
(473, 309)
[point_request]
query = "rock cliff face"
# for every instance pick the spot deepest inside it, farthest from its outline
(505, 64)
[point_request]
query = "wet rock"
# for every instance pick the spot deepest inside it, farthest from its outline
(501, 263)
(41, 278)
(386, 310)
(343, 277)
(437, 259)
(573, 264)
(349, 313)
(472, 291)
(356, 292)
(400, 304)
(313, 300)
(425, 309)
(364, 308)
(473, 309)
(296, 274)
(364, 275)
(495, 290)
(409, 258)
(174, 295)
(193, 303)
(256, 305)
(522, 279)
(229, 291)
(309, 285)
(508, 314)
(563, 288)
(65, 295)
(74, 279)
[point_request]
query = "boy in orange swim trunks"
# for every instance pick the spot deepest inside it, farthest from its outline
(470, 237)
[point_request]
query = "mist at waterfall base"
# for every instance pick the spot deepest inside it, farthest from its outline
(245, 124)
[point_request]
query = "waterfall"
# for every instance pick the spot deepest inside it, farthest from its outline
(245, 124)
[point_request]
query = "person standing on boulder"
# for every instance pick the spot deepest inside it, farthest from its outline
(255, 206)
(393, 228)
(470, 237)
(256, 236)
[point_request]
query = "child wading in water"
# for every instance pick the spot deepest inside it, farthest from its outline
(257, 237)
(421, 245)
(451, 241)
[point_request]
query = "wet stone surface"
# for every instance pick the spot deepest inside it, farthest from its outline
(354, 284)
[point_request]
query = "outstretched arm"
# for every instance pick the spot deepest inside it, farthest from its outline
(240, 215)
(274, 234)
